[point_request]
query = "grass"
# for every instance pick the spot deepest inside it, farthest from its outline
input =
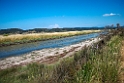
(103, 65)
(25, 38)
(95, 64)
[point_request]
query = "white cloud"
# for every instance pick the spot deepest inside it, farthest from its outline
(111, 14)
(54, 26)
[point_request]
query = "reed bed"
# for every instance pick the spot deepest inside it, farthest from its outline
(25, 38)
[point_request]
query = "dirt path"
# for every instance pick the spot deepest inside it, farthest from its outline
(122, 63)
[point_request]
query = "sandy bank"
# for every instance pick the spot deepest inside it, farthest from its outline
(46, 55)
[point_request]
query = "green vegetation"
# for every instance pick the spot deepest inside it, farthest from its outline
(98, 63)
(103, 65)
(26, 38)
(5, 34)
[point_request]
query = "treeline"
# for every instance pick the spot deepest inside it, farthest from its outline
(38, 30)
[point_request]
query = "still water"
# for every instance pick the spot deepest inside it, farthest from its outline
(16, 50)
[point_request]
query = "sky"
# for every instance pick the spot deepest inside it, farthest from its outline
(29, 14)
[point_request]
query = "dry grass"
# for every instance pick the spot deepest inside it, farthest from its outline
(22, 38)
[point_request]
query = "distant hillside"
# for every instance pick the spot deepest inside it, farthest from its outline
(37, 30)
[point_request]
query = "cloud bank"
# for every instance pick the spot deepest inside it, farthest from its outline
(111, 14)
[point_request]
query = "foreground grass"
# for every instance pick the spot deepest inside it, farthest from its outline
(25, 38)
(103, 65)
(96, 64)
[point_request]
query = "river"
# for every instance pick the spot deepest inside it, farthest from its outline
(20, 49)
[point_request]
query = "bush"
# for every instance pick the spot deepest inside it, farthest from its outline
(5, 34)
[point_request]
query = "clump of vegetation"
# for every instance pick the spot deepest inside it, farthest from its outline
(5, 34)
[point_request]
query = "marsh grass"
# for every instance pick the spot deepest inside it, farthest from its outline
(98, 63)
(26, 38)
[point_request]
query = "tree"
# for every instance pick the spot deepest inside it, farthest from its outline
(118, 25)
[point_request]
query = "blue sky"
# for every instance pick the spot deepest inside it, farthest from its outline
(28, 14)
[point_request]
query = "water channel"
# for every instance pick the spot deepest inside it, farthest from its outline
(20, 49)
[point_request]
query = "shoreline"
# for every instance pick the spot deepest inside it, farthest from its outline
(45, 56)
